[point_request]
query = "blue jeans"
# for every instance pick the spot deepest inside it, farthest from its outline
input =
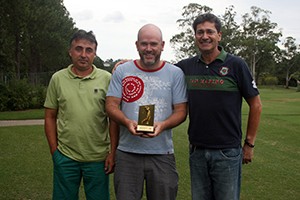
(215, 173)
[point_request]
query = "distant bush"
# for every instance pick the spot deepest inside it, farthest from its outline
(38, 96)
(4, 97)
(20, 95)
(270, 80)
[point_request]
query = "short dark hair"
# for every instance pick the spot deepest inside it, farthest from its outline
(207, 17)
(82, 34)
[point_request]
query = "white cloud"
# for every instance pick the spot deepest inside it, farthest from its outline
(84, 15)
(116, 22)
(116, 17)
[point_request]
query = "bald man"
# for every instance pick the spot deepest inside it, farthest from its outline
(147, 158)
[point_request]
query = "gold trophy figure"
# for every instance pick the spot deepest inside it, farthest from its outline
(146, 119)
(148, 115)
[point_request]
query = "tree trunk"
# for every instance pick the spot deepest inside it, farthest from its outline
(287, 79)
(253, 66)
(33, 65)
(18, 56)
(286, 83)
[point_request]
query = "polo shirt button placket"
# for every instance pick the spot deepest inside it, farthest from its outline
(81, 85)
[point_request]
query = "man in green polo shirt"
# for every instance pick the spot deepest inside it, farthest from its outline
(76, 124)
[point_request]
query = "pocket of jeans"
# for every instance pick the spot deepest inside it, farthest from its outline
(191, 149)
(234, 153)
(58, 157)
(54, 155)
(170, 158)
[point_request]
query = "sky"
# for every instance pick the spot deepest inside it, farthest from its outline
(116, 22)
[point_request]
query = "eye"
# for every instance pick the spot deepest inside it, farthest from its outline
(144, 44)
(153, 44)
(210, 32)
(89, 50)
(78, 48)
(200, 32)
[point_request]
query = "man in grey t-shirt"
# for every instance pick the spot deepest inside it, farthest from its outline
(147, 157)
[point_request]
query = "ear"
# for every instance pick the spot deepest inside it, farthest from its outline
(220, 36)
(136, 45)
(162, 45)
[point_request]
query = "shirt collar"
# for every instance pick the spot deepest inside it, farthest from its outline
(74, 76)
(221, 56)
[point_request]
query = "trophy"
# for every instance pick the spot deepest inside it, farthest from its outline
(146, 119)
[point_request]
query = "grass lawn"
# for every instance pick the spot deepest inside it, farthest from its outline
(275, 173)
(19, 115)
(26, 166)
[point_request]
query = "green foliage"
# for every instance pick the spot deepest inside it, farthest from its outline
(256, 39)
(34, 36)
(34, 39)
(20, 95)
(290, 58)
(183, 43)
(230, 31)
(3, 97)
(296, 75)
(270, 80)
(38, 96)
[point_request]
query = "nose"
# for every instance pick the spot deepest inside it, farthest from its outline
(148, 47)
(83, 53)
(205, 35)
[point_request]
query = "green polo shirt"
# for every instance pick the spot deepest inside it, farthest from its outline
(82, 124)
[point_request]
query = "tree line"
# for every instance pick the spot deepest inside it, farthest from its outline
(34, 38)
(256, 39)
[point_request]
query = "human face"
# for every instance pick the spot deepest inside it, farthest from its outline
(207, 37)
(83, 53)
(150, 46)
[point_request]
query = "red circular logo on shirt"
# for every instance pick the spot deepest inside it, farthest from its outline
(133, 88)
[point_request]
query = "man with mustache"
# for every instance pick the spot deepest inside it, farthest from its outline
(76, 124)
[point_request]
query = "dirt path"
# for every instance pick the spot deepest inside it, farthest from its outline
(21, 122)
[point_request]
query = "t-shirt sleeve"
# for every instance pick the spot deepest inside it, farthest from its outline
(179, 89)
(115, 86)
